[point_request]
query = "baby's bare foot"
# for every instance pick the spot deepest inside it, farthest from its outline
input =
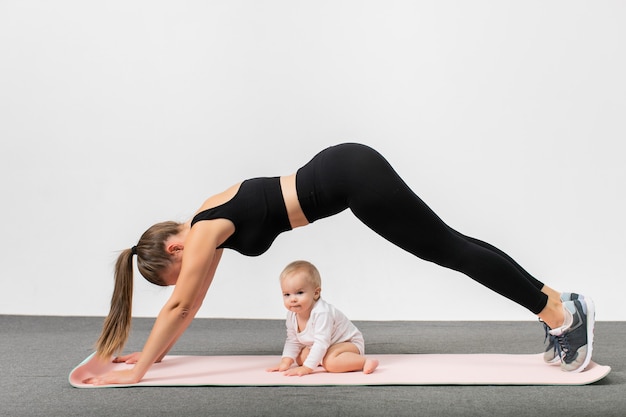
(369, 366)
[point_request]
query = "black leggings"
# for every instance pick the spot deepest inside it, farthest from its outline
(357, 177)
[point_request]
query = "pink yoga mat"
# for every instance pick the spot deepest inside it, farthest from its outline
(418, 369)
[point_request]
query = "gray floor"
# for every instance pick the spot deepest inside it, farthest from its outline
(38, 353)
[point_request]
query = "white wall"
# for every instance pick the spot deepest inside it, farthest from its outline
(506, 117)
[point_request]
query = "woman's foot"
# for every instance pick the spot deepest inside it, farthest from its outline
(551, 355)
(574, 340)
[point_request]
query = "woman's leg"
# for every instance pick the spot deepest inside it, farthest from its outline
(383, 201)
(358, 177)
(552, 313)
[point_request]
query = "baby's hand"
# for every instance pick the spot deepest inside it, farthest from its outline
(273, 369)
(298, 371)
(284, 364)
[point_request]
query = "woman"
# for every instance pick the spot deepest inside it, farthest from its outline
(248, 217)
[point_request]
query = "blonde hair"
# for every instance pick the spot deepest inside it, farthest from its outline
(313, 275)
(152, 260)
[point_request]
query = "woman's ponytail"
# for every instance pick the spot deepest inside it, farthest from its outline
(152, 260)
(116, 326)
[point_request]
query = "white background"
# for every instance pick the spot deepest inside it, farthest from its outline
(506, 117)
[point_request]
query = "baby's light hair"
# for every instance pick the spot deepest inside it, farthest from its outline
(313, 275)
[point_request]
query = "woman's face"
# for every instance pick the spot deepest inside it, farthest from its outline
(175, 246)
(170, 275)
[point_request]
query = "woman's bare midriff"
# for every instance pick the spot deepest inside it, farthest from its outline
(290, 196)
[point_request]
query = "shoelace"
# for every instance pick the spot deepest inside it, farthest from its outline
(562, 346)
(552, 338)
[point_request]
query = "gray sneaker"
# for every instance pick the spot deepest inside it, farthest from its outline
(575, 343)
(551, 355)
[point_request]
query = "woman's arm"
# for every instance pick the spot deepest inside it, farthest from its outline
(134, 357)
(199, 300)
(199, 263)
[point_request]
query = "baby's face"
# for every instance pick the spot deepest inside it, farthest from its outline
(299, 294)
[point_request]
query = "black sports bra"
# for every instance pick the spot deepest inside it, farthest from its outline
(258, 212)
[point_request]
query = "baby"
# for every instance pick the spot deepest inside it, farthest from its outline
(317, 333)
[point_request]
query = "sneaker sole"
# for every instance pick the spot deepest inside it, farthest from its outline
(555, 361)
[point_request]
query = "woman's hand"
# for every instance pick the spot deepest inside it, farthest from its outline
(124, 377)
(129, 359)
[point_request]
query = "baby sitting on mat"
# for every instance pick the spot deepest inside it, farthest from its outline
(317, 333)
